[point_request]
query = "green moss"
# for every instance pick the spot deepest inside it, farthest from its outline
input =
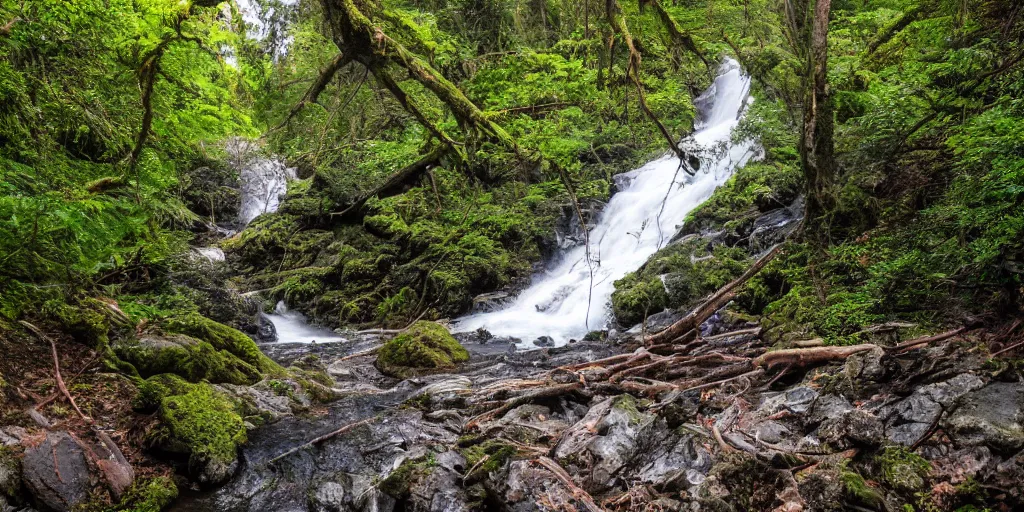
(153, 390)
(676, 277)
(426, 346)
(192, 359)
(145, 495)
(222, 337)
(857, 488)
(496, 453)
(202, 424)
(903, 469)
(398, 482)
(10, 466)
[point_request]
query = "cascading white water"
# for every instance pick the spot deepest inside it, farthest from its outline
(292, 327)
(572, 298)
(264, 180)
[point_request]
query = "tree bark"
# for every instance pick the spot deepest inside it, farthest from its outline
(817, 146)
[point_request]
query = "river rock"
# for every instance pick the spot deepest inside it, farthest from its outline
(852, 427)
(678, 463)
(56, 472)
(992, 416)
(544, 341)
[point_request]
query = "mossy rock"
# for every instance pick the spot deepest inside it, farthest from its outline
(424, 347)
(145, 495)
(192, 359)
(202, 424)
(222, 337)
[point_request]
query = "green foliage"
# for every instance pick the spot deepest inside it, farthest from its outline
(425, 346)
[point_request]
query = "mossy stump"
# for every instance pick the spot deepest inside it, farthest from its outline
(423, 348)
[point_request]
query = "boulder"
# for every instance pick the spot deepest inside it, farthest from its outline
(992, 416)
(425, 347)
(56, 472)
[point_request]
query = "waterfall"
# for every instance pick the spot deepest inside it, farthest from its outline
(572, 298)
(264, 180)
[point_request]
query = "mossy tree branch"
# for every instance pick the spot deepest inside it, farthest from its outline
(618, 23)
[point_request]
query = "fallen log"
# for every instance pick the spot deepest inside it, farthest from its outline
(718, 300)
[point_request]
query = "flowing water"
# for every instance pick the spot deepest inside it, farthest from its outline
(292, 327)
(264, 180)
(572, 298)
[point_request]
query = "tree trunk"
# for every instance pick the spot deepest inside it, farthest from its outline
(817, 144)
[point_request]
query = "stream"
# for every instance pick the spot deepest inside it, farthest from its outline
(572, 298)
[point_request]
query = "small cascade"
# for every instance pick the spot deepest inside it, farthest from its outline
(264, 179)
(211, 254)
(292, 327)
(572, 297)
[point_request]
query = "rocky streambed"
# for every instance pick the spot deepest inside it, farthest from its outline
(588, 427)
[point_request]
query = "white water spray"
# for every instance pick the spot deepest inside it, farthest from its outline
(572, 298)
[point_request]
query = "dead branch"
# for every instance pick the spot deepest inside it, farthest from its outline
(618, 23)
(397, 182)
(563, 476)
(719, 299)
(56, 368)
(547, 392)
(676, 32)
(806, 357)
(930, 339)
(313, 93)
(322, 438)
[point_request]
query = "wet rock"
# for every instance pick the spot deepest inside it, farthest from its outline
(329, 497)
(909, 419)
(991, 416)
(609, 437)
(526, 484)
(544, 341)
(854, 427)
(773, 226)
(56, 472)
(113, 466)
(797, 400)
(772, 432)
(488, 302)
(264, 400)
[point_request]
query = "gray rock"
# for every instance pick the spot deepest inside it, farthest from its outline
(56, 472)
(909, 419)
(772, 432)
(329, 497)
(544, 341)
(685, 464)
(12, 436)
(852, 427)
(609, 437)
(992, 416)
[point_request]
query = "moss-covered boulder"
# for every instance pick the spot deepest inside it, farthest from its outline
(193, 359)
(223, 338)
(196, 421)
(424, 347)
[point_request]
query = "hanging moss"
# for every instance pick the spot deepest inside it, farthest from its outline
(424, 347)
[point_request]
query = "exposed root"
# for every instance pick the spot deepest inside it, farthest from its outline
(563, 476)
(56, 369)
